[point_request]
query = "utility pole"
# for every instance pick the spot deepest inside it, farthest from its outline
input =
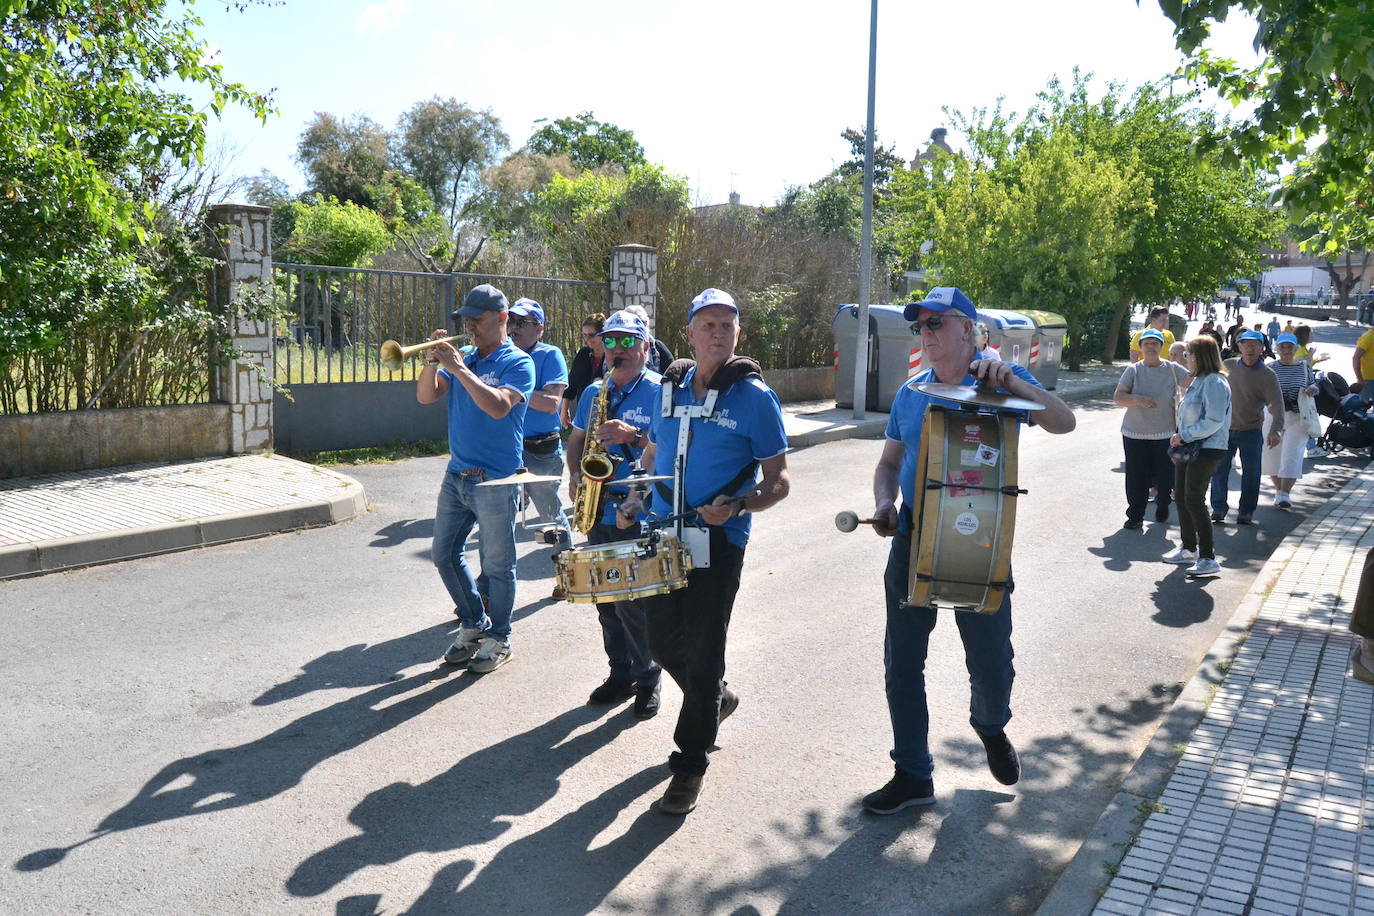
(866, 244)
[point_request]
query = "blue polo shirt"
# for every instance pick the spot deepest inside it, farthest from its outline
(549, 369)
(909, 415)
(637, 405)
(475, 440)
(745, 426)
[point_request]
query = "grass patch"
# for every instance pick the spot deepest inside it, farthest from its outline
(378, 454)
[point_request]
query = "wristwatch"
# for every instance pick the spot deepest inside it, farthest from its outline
(741, 507)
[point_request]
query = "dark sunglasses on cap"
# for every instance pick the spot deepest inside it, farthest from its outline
(624, 342)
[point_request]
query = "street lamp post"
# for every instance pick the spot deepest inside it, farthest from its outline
(866, 243)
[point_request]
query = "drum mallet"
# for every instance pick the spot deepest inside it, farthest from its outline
(848, 521)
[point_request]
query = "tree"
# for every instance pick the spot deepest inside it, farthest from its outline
(267, 190)
(343, 157)
(587, 142)
(335, 233)
(885, 159)
(1310, 101)
(444, 145)
(85, 120)
(1043, 229)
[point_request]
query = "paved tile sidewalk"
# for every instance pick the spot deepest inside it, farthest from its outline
(1266, 811)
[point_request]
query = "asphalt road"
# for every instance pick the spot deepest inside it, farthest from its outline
(261, 727)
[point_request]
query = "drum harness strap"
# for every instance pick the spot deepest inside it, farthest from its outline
(733, 370)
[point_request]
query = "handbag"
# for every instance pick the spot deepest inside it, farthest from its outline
(544, 446)
(1185, 453)
(1307, 410)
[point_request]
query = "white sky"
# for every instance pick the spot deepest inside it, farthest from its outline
(749, 94)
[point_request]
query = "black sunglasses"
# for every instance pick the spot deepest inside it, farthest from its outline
(624, 343)
(934, 322)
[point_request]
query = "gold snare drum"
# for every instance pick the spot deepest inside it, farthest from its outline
(624, 570)
(965, 513)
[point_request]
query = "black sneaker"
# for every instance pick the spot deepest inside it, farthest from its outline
(1218, 517)
(1245, 520)
(612, 690)
(901, 791)
(646, 700)
(729, 702)
(1132, 524)
(1002, 760)
(1162, 514)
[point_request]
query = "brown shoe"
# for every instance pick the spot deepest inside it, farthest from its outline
(681, 795)
(1359, 669)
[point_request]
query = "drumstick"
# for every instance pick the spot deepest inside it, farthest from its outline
(848, 521)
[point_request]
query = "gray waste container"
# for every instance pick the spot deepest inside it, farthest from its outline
(892, 354)
(1010, 333)
(1178, 326)
(1047, 346)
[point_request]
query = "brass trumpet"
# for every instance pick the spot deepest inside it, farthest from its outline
(394, 355)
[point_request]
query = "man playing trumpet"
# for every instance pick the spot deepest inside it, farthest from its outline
(487, 391)
(631, 398)
(945, 322)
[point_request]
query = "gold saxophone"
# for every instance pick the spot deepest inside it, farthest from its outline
(597, 466)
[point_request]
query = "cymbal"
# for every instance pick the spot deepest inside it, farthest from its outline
(973, 394)
(632, 480)
(522, 475)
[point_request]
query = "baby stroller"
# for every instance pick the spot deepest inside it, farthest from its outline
(1351, 426)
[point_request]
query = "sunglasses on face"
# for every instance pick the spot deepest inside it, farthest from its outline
(523, 323)
(934, 323)
(624, 343)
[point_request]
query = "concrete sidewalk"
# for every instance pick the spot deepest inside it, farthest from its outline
(61, 521)
(1254, 796)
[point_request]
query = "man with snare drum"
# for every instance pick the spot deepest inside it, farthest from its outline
(631, 403)
(945, 322)
(722, 426)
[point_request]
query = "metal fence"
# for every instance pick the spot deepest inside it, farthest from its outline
(338, 317)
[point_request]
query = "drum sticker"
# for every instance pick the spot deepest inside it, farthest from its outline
(987, 455)
(966, 523)
(973, 433)
(960, 481)
(968, 456)
(613, 575)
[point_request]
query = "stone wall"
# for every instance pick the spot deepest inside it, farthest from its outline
(81, 440)
(245, 237)
(791, 385)
(634, 278)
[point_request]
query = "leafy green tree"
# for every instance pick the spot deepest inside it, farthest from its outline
(587, 142)
(336, 233)
(85, 117)
(1310, 101)
(1041, 230)
(583, 218)
(885, 159)
(444, 145)
(343, 157)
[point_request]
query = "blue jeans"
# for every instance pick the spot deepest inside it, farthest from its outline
(463, 504)
(1250, 444)
(987, 655)
(545, 495)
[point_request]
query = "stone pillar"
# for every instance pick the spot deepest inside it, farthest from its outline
(244, 234)
(634, 278)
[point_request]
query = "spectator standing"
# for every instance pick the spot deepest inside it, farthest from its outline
(1233, 337)
(588, 365)
(1272, 330)
(1149, 390)
(1362, 623)
(1253, 386)
(1204, 417)
(1159, 320)
(1283, 463)
(983, 348)
(1364, 366)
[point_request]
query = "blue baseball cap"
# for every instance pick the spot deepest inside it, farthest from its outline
(942, 299)
(709, 297)
(1151, 334)
(1256, 336)
(483, 299)
(528, 308)
(623, 322)
(1286, 338)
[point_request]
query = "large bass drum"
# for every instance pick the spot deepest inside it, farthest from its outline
(965, 512)
(624, 570)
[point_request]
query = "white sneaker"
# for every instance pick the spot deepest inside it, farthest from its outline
(1205, 566)
(492, 654)
(1316, 452)
(1281, 501)
(1180, 555)
(464, 647)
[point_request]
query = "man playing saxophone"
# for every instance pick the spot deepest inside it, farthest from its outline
(612, 422)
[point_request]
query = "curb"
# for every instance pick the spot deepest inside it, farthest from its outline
(57, 554)
(1085, 879)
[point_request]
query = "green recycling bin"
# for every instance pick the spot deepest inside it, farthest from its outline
(1047, 346)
